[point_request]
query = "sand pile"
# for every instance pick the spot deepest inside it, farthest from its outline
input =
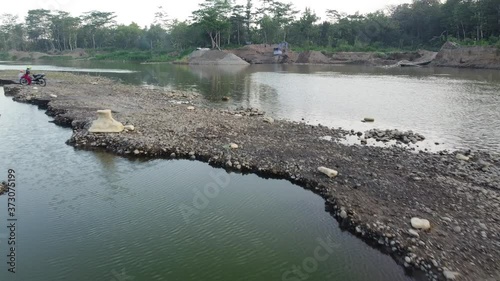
(214, 57)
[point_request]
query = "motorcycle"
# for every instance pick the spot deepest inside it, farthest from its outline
(38, 79)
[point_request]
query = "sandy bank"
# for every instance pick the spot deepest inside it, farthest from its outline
(375, 195)
(452, 55)
(263, 54)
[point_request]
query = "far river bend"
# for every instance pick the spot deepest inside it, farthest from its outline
(457, 108)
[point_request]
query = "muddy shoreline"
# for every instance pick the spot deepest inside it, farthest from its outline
(377, 191)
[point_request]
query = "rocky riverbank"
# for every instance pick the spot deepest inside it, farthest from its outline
(375, 195)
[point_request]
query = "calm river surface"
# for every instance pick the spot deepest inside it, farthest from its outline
(85, 216)
(459, 108)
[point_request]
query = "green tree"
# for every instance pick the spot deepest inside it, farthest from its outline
(38, 26)
(12, 33)
(127, 36)
(96, 23)
(213, 16)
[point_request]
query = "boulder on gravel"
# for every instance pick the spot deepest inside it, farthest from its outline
(105, 123)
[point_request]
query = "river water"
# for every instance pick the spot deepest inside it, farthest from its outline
(458, 108)
(85, 216)
(93, 216)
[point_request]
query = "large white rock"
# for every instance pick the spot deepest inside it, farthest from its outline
(420, 223)
(329, 172)
(450, 275)
(105, 123)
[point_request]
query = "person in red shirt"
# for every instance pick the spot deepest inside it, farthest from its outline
(27, 75)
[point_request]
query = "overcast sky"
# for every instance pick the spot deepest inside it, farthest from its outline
(142, 11)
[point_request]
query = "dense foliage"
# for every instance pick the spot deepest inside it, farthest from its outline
(226, 24)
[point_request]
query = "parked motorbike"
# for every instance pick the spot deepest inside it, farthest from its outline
(37, 79)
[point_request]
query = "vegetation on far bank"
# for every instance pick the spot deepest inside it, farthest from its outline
(140, 55)
(226, 24)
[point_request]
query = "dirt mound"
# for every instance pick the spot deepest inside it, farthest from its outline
(27, 56)
(256, 54)
(469, 57)
(312, 57)
(76, 53)
(351, 57)
(214, 57)
(449, 45)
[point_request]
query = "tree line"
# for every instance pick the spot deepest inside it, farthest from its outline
(227, 24)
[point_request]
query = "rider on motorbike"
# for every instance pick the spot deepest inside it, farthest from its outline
(27, 75)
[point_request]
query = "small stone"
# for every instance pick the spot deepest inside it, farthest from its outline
(238, 167)
(172, 155)
(238, 115)
(413, 233)
(136, 152)
(225, 98)
(358, 229)
(192, 157)
(329, 172)
(268, 120)
(462, 157)
(483, 234)
(129, 127)
(457, 229)
(450, 275)
(233, 145)
(190, 108)
(343, 214)
(483, 226)
(53, 96)
(369, 119)
(229, 164)
(407, 260)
